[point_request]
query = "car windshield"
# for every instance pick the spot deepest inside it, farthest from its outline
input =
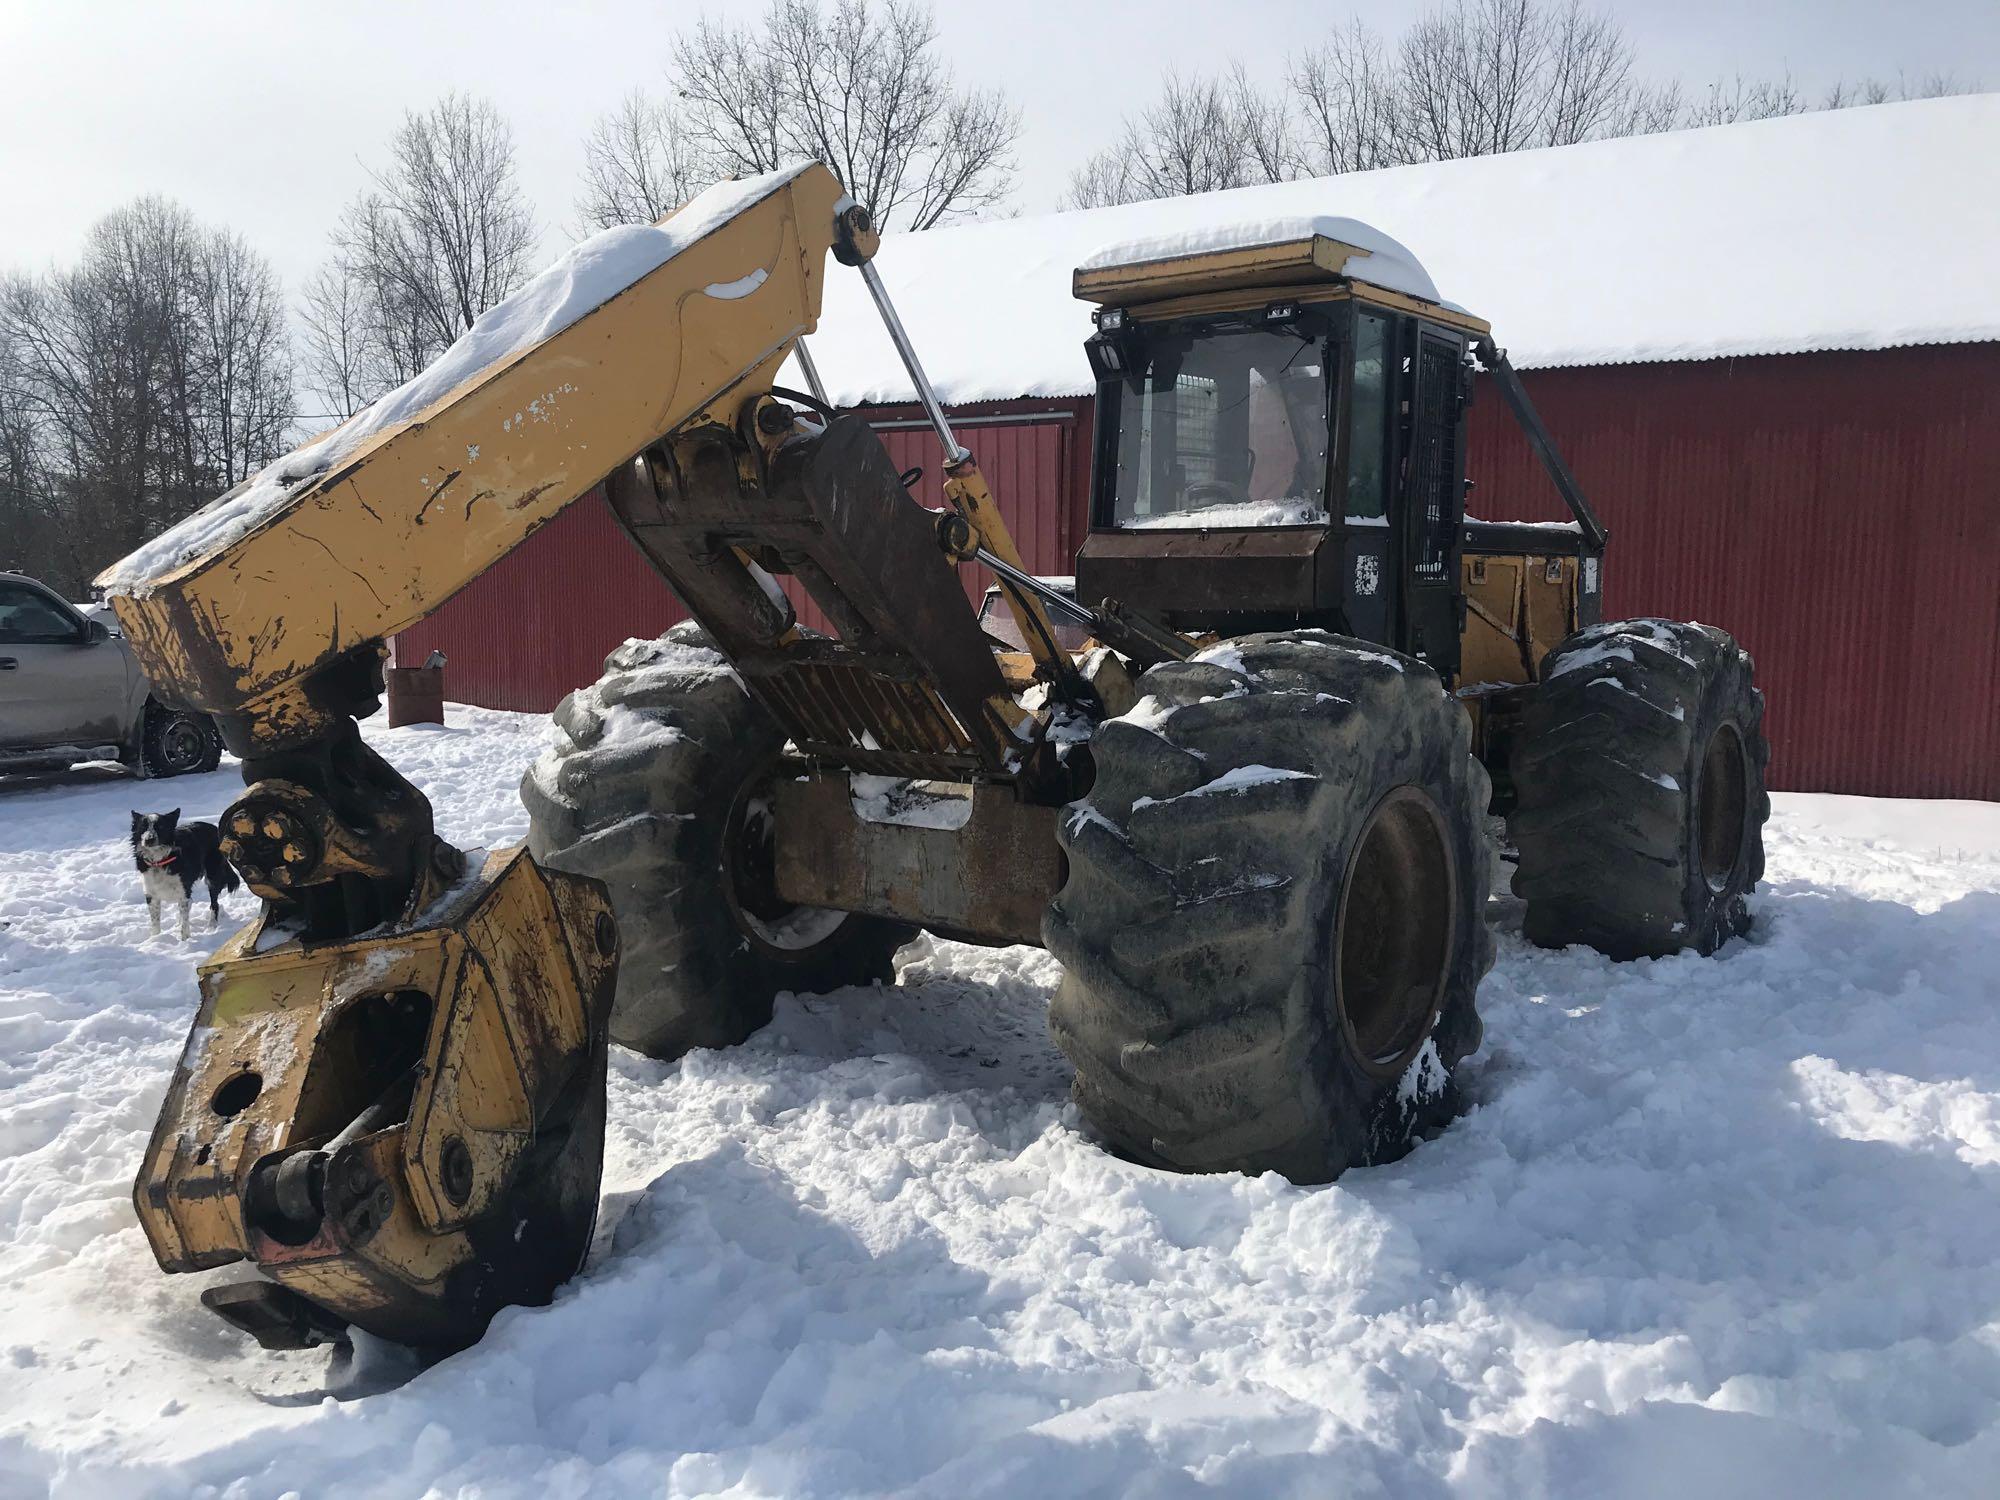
(1224, 429)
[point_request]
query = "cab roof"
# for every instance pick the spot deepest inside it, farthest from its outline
(1268, 252)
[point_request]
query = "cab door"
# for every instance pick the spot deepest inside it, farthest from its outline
(1433, 495)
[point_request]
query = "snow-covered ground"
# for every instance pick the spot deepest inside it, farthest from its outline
(1714, 1227)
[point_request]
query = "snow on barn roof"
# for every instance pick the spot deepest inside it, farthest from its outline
(1852, 229)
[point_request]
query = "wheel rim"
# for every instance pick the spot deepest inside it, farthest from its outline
(181, 744)
(1393, 931)
(749, 881)
(1719, 806)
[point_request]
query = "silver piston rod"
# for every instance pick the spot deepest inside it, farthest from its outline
(907, 352)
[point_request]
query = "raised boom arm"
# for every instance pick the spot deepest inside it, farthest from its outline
(234, 610)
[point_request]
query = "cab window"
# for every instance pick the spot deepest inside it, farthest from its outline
(1368, 419)
(1224, 429)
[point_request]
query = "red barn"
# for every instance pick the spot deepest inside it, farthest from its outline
(1770, 352)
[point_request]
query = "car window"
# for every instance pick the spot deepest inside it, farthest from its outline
(29, 617)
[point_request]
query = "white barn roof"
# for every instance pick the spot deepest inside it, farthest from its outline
(1852, 229)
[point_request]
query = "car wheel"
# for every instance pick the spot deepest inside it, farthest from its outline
(178, 742)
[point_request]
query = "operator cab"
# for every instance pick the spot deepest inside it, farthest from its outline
(1281, 442)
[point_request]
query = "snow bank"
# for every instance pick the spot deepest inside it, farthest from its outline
(1383, 262)
(1713, 1226)
(582, 280)
(1846, 229)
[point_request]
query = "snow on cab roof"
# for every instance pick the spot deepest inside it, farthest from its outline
(1384, 263)
(1851, 229)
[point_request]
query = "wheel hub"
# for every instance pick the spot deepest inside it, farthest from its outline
(1719, 807)
(748, 879)
(1393, 929)
(180, 743)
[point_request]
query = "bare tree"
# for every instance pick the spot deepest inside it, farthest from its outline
(337, 365)
(1647, 110)
(1729, 100)
(1105, 178)
(1480, 77)
(1267, 136)
(1488, 76)
(638, 165)
(446, 223)
(30, 531)
(1199, 135)
(1934, 85)
(854, 84)
(442, 235)
(242, 397)
(733, 94)
(139, 383)
(1587, 77)
(1348, 93)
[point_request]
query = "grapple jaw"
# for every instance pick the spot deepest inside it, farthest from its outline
(403, 1129)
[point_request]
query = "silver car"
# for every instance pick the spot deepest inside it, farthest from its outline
(71, 691)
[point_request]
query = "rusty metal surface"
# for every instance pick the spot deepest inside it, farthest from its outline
(913, 688)
(1036, 458)
(414, 695)
(1188, 576)
(504, 992)
(1517, 608)
(988, 880)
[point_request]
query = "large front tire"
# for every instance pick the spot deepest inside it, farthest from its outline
(654, 786)
(1639, 781)
(1273, 927)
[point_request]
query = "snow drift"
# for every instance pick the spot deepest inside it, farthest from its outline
(1720, 1227)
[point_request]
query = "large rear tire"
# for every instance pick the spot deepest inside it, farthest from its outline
(1272, 928)
(655, 786)
(1639, 781)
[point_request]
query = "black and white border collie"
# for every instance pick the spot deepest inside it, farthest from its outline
(172, 856)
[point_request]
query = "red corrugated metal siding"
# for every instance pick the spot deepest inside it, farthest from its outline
(539, 621)
(1838, 513)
